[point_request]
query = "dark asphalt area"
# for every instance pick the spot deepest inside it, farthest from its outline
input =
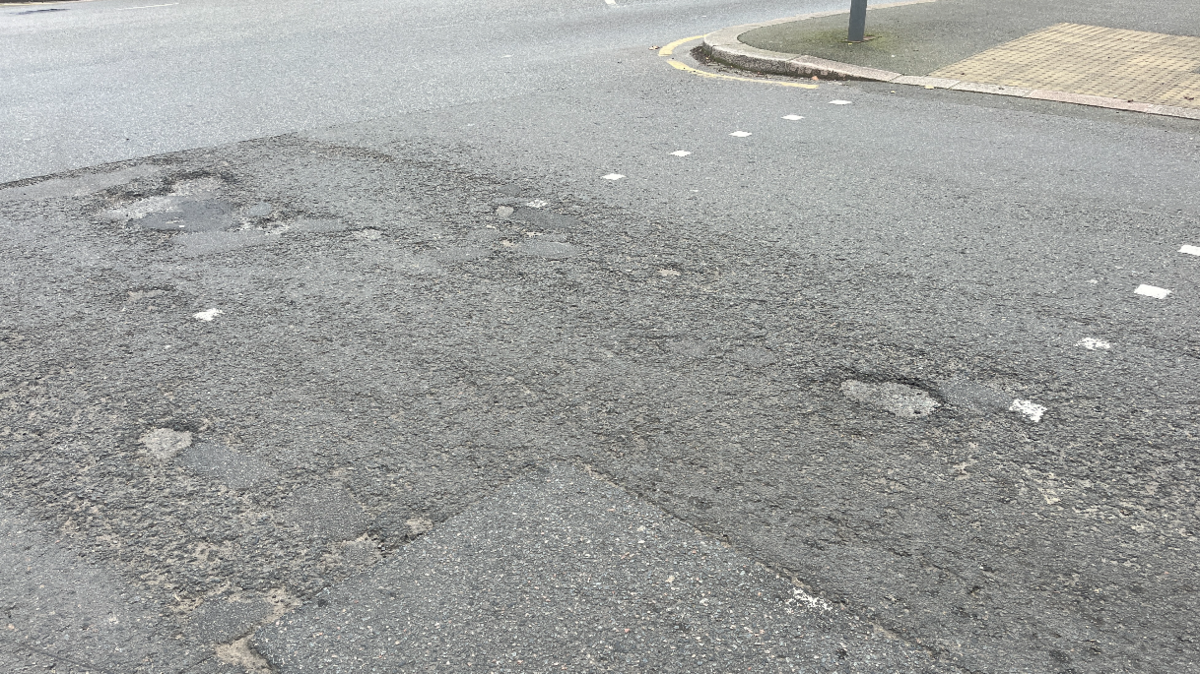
(245, 386)
(921, 38)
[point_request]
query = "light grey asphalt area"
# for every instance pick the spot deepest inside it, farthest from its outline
(564, 572)
(104, 81)
(391, 348)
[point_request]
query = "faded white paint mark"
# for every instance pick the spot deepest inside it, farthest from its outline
(1091, 344)
(740, 134)
(1030, 409)
(839, 102)
(611, 2)
(681, 153)
(668, 272)
(613, 176)
(1152, 291)
(207, 315)
(793, 118)
(171, 4)
(1093, 281)
(537, 203)
(1190, 250)
(506, 56)
(799, 595)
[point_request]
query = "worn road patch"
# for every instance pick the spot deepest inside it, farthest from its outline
(564, 571)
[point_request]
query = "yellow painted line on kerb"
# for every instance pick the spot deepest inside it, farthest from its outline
(669, 50)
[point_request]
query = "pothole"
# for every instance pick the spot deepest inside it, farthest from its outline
(899, 399)
(165, 443)
(204, 215)
(240, 654)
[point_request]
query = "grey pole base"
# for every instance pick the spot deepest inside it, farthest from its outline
(858, 20)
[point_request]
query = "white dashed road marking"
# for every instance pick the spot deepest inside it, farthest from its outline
(613, 176)
(207, 315)
(1030, 409)
(740, 134)
(537, 203)
(1190, 250)
(1152, 291)
(839, 102)
(1091, 343)
(793, 117)
(681, 153)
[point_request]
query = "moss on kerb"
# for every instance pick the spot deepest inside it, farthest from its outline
(830, 38)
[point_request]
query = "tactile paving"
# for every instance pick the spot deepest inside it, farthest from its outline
(1092, 60)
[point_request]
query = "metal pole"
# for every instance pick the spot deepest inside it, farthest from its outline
(858, 20)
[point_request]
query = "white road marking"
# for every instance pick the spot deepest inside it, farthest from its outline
(681, 153)
(537, 203)
(1152, 291)
(506, 56)
(799, 595)
(207, 315)
(170, 4)
(740, 134)
(1091, 344)
(668, 272)
(611, 2)
(613, 176)
(1030, 409)
(1190, 250)
(793, 118)
(839, 102)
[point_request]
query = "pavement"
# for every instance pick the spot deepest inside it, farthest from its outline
(1074, 52)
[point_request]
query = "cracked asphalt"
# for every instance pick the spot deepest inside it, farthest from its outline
(248, 384)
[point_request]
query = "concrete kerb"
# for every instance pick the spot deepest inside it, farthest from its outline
(725, 47)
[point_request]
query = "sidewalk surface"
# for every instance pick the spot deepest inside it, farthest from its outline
(1139, 53)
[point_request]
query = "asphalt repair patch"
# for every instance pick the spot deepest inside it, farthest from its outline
(562, 571)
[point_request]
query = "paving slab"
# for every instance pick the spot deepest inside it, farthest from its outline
(1092, 60)
(562, 571)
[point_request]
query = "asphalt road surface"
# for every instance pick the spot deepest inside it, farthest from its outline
(443, 337)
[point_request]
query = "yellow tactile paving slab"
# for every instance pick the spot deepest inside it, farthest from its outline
(1092, 60)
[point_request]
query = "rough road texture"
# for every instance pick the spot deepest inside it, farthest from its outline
(389, 349)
